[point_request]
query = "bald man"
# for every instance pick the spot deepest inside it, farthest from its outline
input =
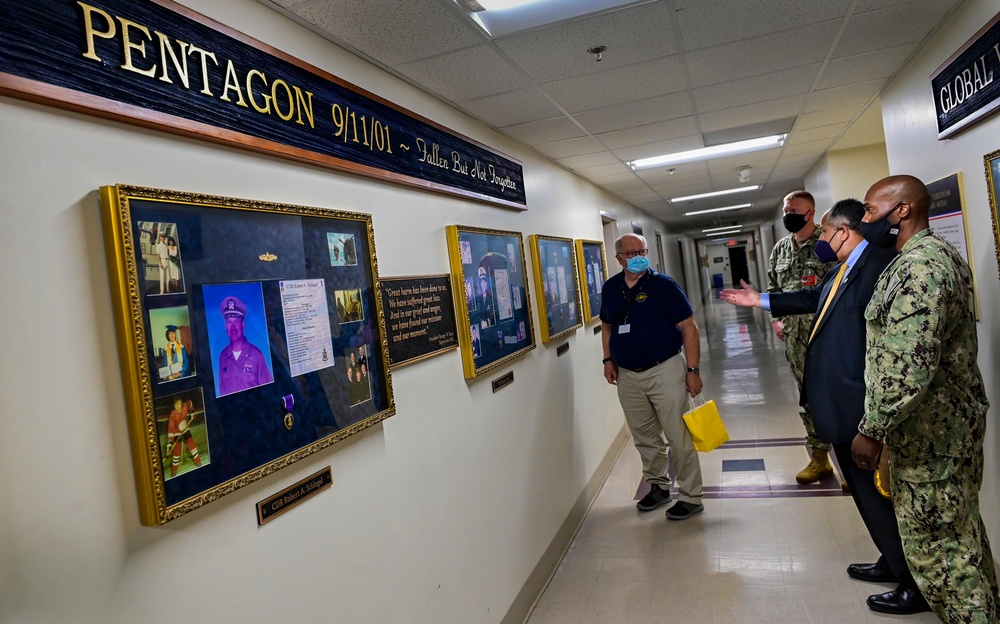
(925, 401)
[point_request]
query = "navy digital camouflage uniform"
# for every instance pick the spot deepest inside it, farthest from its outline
(925, 399)
(788, 268)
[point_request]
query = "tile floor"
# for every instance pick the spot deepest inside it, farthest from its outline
(765, 550)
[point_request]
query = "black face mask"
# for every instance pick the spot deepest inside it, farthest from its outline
(793, 222)
(881, 233)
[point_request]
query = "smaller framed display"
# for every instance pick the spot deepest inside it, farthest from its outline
(420, 317)
(494, 315)
(592, 268)
(250, 336)
(947, 217)
(556, 277)
(992, 163)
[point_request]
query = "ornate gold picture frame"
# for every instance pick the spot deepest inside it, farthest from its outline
(250, 336)
(992, 163)
(556, 278)
(493, 307)
(593, 272)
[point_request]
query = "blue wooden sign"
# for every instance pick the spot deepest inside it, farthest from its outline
(161, 65)
(967, 86)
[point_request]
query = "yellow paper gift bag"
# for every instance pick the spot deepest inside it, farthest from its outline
(705, 424)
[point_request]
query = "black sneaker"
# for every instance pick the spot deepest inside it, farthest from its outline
(684, 510)
(656, 498)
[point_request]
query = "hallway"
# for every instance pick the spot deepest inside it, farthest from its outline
(765, 551)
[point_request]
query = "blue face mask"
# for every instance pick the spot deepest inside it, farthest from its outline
(638, 264)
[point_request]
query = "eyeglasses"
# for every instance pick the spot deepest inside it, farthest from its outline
(632, 254)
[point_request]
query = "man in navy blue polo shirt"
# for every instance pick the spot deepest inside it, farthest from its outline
(645, 321)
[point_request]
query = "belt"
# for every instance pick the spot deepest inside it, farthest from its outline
(657, 363)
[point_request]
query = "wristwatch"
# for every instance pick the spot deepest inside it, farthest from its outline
(694, 369)
(605, 360)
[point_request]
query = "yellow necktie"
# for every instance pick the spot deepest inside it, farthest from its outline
(829, 298)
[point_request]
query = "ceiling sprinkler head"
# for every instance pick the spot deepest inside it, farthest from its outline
(598, 52)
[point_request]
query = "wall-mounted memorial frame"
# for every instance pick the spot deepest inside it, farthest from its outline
(494, 309)
(250, 335)
(947, 217)
(992, 163)
(592, 267)
(554, 263)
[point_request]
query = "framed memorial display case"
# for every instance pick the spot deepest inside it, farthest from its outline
(592, 268)
(494, 312)
(992, 163)
(554, 263)
(250, 336)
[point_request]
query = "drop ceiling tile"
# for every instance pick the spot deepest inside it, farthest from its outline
(493, 74)
(644, 196)
(588, 161)
(827, 116)
(572, 147)
(726, 174)
(878, 65)
(636, 113)
(751, 113)
(814, 134)
(761, 55)
(808, 147)
(634, 35)
(602, 171)
(613, 183)
(625, 84)
(649, 133)
(859, 93)
(792, 81)
(697, 173)
(391, 31)
(508, 109)
(544, 131)
(893, 26)
(712, 22)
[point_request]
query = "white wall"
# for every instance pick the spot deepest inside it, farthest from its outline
(438, 515)
(846, 173)
(913, 148)
(853, 171)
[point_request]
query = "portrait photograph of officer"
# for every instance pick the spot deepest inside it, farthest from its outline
(237, 337)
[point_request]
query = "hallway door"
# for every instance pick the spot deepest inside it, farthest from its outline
(738, 265)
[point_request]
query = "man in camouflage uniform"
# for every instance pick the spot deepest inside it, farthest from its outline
(926, 401)
(794, 266)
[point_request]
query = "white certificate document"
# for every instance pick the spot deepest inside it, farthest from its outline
(502, 285)
(307, 325)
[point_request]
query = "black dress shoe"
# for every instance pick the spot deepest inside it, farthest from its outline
(871, 572)
(900, 601)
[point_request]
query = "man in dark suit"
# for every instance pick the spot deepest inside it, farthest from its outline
(833, 383)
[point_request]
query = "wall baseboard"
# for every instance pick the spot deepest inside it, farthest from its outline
(546, 567)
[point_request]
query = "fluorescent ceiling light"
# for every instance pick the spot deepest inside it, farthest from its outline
(726, 227)
(500, 5)
(705, 153)
(741, 189)
(736, 207)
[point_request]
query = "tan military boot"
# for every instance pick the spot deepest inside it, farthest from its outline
(819, 467)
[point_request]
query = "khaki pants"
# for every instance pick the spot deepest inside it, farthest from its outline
(654, 402)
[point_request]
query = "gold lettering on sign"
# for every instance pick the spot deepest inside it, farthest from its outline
(166, 60)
